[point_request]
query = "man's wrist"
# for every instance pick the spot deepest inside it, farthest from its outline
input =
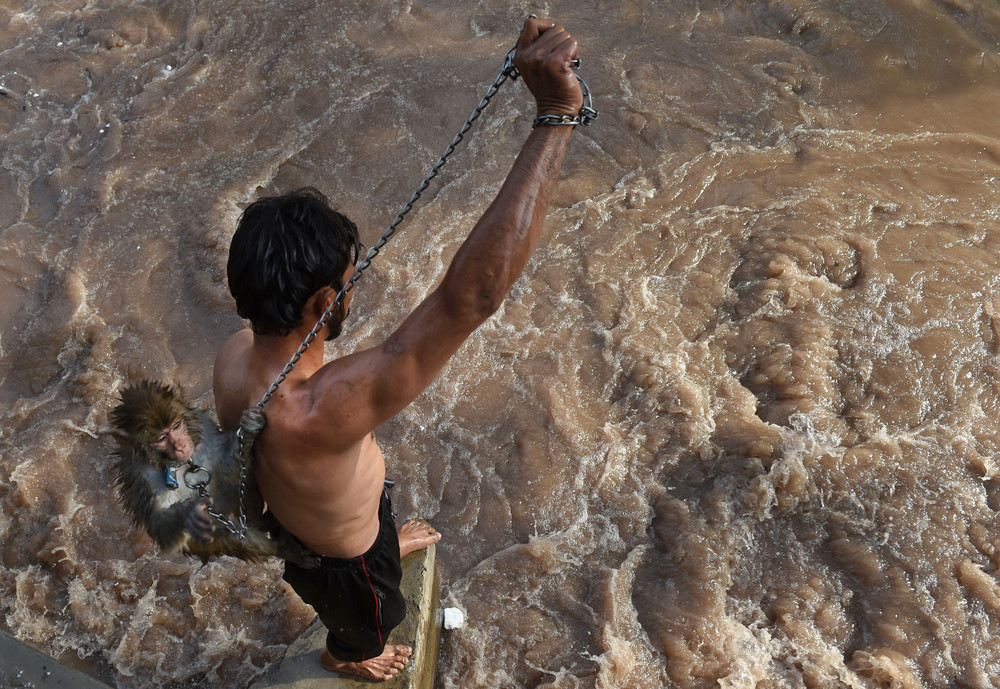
(584, 117)
(556, 121)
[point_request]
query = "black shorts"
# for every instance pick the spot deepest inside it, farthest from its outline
(357, 599)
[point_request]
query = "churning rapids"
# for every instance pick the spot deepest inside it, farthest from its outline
(737, 425)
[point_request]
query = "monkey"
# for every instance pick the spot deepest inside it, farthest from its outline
(166, 449)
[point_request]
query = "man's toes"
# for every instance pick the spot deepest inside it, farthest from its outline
(419, 529)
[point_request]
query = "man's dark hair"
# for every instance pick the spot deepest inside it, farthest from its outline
(285, 249)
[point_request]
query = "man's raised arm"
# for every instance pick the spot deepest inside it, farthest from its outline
(494, 254)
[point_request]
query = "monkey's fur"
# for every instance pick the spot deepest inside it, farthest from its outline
(174, 517)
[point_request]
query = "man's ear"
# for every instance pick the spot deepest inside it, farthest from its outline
(320, 301)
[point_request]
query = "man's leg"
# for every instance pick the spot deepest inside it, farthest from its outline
(359, 602)
(356, 619)
(354, 649)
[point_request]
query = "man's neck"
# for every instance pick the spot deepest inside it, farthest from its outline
(277, 350)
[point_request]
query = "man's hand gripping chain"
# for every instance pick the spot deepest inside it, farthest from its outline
(583, 118)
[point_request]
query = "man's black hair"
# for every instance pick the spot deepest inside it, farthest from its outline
(285, 249)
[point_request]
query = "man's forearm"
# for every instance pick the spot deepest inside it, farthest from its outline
(498, 248)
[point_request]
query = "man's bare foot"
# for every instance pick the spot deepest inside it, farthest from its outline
(414, 535)
(386, 666)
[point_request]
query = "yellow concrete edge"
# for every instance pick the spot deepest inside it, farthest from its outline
(299, 668)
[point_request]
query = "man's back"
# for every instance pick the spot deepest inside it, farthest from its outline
(324, 491)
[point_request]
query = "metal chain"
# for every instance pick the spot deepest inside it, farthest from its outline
(509, 71)
(246, 447)
(200, 486)
(244, 444)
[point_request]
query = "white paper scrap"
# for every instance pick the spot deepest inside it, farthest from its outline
(453, 618)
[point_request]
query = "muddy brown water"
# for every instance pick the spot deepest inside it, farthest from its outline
(736, 426)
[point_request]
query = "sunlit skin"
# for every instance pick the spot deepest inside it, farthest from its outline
(317, 462)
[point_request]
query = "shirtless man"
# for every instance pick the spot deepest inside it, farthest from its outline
(316, 462)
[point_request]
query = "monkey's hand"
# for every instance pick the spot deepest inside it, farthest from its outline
(253, 421)
(199, 522)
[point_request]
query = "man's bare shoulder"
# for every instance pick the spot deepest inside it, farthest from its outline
(229, 378)
(344, 386)
(239, 341)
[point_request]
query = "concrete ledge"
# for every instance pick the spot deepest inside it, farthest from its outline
(23, 666)
(300, 668)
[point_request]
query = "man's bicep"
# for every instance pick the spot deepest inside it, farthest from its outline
(411, 358)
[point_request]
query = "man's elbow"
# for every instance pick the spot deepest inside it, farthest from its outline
(473, 307)
(488, 299)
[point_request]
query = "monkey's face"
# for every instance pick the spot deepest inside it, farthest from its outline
(175, 441)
